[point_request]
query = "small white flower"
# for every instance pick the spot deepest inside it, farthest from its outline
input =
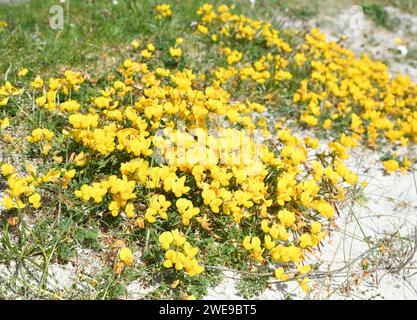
(403, 50)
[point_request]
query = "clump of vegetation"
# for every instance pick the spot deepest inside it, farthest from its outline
(378, 14)
(180, 170)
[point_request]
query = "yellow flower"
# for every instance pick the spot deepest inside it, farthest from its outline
(40, 134)
(315, 227)
(391, 166)
(168, 263)
(280, 194)
(164, 10)
(203, 29)
(130, 210)
(254, 245)
(175, 52)
(40, 101)
(280, 274)
(70, 105)
(305, 240)
(211, 199)
(4, 101)
(7, 203)
(300, 59)
(45, 150)
(304, 284)
(186, 209)
(325, 209)
(268, 243)
(135, 44)
(398, 41)
(234, 56)
(7, 170)
(165, 239)
(247, 243)
(34, 200)
(146, 53)
(309, 120)
(22, 72)
(80, 121)
(67, 177)
(181, 258)
(327, 123)
(287, 218)
(150, 47)
(80, 159)
(37, 83)
(4, 123)
(179, 239)
(176, 185)
(126, 255)
(304, 269)
(157, 205)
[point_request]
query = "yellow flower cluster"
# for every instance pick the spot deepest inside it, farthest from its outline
(181, 149)
(40, 134)
(6, 91)
(164, 10)
(157, 205)
(183, 254)
(336, 91)
(25, 190)
(186, 210)
(66, 85)
(121, 190)
(203, 167)
(126, 255)
(359, 93)
(4, 123)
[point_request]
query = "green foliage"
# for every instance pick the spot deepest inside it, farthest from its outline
(88, 237)
(379, 15)
(251, 286)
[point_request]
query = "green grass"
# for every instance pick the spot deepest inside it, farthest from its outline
(97, 32)
(409, 6)
(379, 15)
(94, 33)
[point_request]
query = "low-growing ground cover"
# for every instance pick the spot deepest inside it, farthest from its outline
(171, 152)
